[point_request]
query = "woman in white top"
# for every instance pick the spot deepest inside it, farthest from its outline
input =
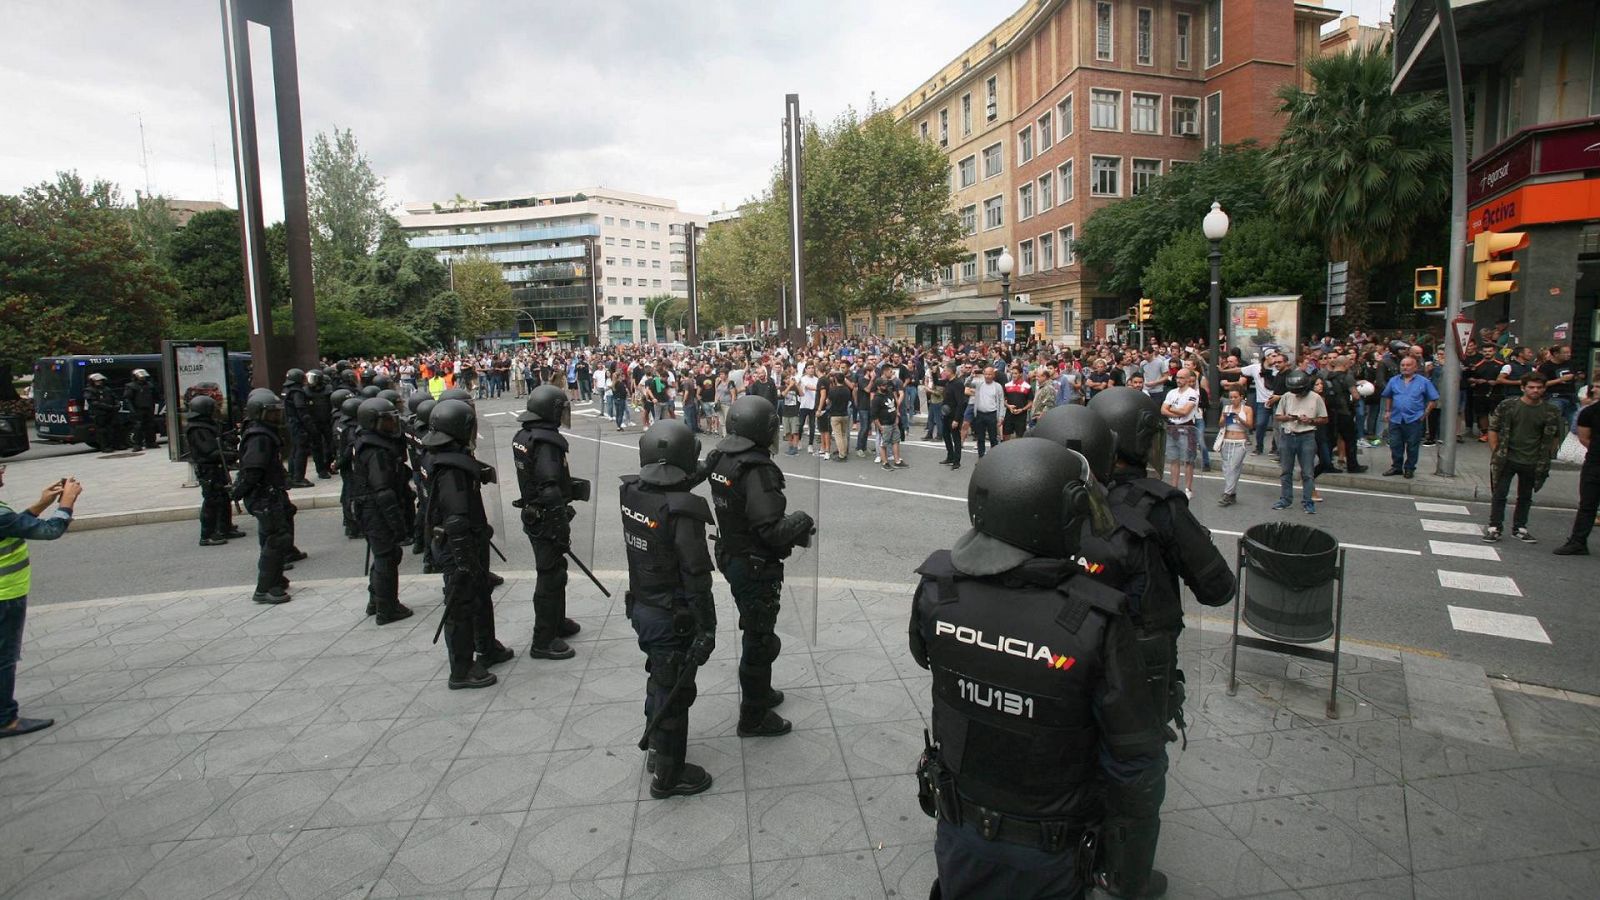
(1238, 424)
(1181, 408)
(808, 405)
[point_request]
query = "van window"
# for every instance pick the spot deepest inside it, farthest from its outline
(50, 383)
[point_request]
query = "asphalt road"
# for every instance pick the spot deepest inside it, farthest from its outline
(879, 525)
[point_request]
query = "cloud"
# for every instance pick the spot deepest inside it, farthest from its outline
(478, 97)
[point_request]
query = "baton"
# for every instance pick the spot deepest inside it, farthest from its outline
(498, 553)
(366, 564)
(585, 569)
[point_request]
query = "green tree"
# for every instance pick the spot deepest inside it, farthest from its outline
(402, 284)
(1358, 167)
(206, 260)
(1257, 259)
(72, 277)
(1120, 241)
(664, 311)
(485, 296)
(153, 223)
(742, 265)
(346, 201)
(340, 332)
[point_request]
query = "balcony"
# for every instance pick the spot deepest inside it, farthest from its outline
(519, 236)
(545, 294)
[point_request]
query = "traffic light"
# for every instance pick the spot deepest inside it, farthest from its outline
(1429, 283)
(1144, 309)
(1485, 247)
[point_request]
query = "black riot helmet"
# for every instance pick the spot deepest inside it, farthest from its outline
(668, 453)
(341, 365)
(377, 414)
(1084, 430)
(1136, 419)
(422, 412)
(415, 400)
(456, 393)
(753, 418)
(545, 404)
(391, 395)
(313, 377)
(202, 406)
(337, 398)
(367, 378)
(350, 406)
(382, 381)
(451, 421)
(263, 406)
(1297, 382)
(368, 392)
(294, 376)
(1026, 498)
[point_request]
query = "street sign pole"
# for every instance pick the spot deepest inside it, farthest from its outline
(1455, 271)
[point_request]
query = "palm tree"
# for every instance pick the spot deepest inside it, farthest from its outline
(1358, 166)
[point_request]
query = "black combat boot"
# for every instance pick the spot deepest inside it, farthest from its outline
(762, 722)
(676, 778)
(392, 611)
(568, 628)
(278, 594)
(555, 649)
(496, 655)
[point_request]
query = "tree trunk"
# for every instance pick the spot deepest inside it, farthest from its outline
(1355, 298)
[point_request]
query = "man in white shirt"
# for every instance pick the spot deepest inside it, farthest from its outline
(1264, 375)
(1181, 409)
(988, 396)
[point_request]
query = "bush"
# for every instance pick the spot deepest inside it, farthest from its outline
(340, 333)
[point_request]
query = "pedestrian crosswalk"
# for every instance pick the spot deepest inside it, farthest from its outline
(1470, 619)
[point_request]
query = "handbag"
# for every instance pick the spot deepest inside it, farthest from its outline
(1571, 450)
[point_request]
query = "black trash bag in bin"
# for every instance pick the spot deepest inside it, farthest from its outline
(1298, 557)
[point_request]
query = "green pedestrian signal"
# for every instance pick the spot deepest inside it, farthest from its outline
(1425, 289)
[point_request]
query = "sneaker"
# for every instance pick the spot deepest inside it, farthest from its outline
(901, 464)
(1316, 496)
(232, 535)
(1390, 472)
(1281, 504)
(1188, 494)
(1491, 535)
(1522, 535)
(1310, 508)
(1571, 549)
(861, 454)
(1226, 500)
(889, 467)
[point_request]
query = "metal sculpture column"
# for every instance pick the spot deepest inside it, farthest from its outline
(793, 127)
(273, 353)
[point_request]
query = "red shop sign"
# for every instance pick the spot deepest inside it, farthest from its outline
(1571, 150)
(1498, 172)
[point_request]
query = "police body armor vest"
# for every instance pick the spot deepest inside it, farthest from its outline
(526, 453)
(393, 452)
(728, 486)
(1015, 670)
(437, 483)
(210, 430)
(647, 532)
(261, 431)
(1156, 604)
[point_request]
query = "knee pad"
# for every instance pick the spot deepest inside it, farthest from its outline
(663, 666)
(762, 649)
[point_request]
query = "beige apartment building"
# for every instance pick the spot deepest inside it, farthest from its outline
(1069, 105)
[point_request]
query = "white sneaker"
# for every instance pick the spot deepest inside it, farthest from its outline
(1188, 494)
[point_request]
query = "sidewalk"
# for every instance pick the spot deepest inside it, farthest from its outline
(206, 746)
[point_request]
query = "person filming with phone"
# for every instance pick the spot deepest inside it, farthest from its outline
(16, 529)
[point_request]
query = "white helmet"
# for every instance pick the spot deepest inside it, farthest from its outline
(97, 377)
(140, 373)
(1365, 388)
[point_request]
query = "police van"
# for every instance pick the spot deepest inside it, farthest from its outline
(60, 414)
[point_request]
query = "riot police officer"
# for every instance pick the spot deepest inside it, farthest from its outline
(465, 396)
(461, 534)
(413, 426)
(380, 485)
(210, 458)
(669, 594)
(754, 537)
(548, 490)
(263, 489)
(1035, 682)
(344, 429)
(104, 409)
(1157, 540)
(142, 397)
(320, 397)
(297, 411)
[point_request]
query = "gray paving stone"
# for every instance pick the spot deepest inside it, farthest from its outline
(329, 862)
(1567, 876)
(90, 874)
(882, 748)
(579, 843)
(700, 884)
(500, 732)
(800, 757)
(272, 801)
(370, 795)
(1204, 859)
(1304, 843)
(335, 745)
(158, 812)
(687, 833)
(602, 725)
(242, 752)
(40, 824)
(487, 784)
(201, 714)
(1399, 887)
(891, 810)
(854, 666)
(804, 820)
(599, 889)
(593, 775)
(843, 876)
(1460, 820)
(450, 855)
(28, 773)
(433, 737)
(870, 702)
(907, 871)
(219, 867)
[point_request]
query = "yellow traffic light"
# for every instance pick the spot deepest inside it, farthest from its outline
(1485, 247)
(1145, 304)
(1426, 288)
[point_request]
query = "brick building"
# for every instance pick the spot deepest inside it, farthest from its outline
(1069, 105)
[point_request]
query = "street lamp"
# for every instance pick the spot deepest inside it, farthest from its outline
(1004, 265)
(1216, 228)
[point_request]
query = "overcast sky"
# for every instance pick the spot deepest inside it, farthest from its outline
(481, 97)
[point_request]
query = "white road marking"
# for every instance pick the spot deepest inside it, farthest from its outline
(1487, 584)
(1445, 509)
(1464, 551)
(1498, 624)
(1443, 526)
(1399, 550)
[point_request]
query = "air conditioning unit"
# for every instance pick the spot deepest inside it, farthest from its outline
(1188, 129)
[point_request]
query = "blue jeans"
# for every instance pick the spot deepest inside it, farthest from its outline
(907, 405)
(1205, 445)
(863, 427)
(1405, 444)
(12, 614)
(1263, 421)
(935, 420)
(1569, 411)
(1302, 448)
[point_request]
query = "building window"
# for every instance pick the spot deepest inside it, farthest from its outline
(1025, 260)
(627, 282)
(1214, 120)
(612, 281)
(611, 220)
(626, 261)
(1069, 248)
(969, 268)
(1213, 33)
(991, 92)
(1144, 40)
(1025, 202)
(611, 242)
(655, 245)
(626, 223)
(1185, 116)
(969, 219)
(1064, 176)
(654, 263)
(1025, 145)
(991, 161)
(611, 260)
(655, 226)
(966, 114)
(994, 213)
(1047, 252)
(1105, 110)
(1047, 135)
(922, 130)
(1144, 172)
(969, 171)
(1185, 30)
(1064, 117)
(1102, 30)
(1145, 115)
(655, 282)
(991, 263)
(627, 243)
(1105, 176)
(1047, 196)
(944, 127)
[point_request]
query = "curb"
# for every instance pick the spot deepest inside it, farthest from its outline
(96, 521)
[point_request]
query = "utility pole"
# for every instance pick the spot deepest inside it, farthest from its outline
(1455, 268)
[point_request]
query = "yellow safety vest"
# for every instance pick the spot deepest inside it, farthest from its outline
(14, 569)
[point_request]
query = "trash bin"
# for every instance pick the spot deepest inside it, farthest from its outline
(1289, 594)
